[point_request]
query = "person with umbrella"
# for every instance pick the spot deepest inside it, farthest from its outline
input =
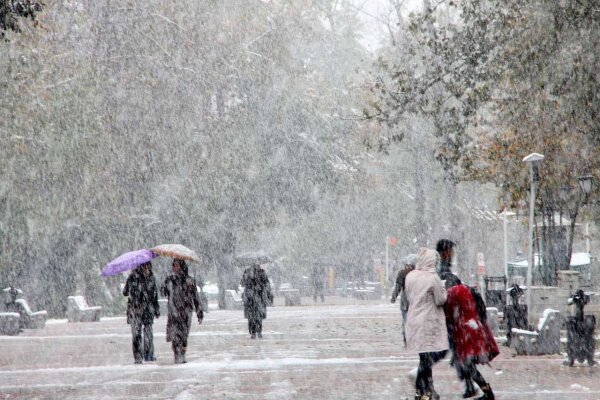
(257, 295)
(180, 290)
(142, 308)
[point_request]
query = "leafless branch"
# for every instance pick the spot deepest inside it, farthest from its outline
(169, 21)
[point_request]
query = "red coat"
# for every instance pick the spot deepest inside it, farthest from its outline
(470, 337)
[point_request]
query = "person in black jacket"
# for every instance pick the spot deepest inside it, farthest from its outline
(142, 308)
(445, 249)
(257, 296)
(409, 265)
(317, 280)
(182, 294)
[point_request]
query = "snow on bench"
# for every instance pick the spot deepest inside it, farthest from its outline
(79, 311)
(9, 323)
(291, 296)
(30, 319)
(233, 301)
(546, 340)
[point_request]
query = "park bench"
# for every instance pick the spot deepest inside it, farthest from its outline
(30, 319)
(365, 294)
(291, 296)
(545, 340)
(233, 301)
(79, 311)
(9, 323)
(376, 287)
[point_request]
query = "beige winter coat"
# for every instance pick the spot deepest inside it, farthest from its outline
(426, 322)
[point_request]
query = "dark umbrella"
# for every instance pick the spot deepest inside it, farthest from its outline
(253, 257)
(127, 262)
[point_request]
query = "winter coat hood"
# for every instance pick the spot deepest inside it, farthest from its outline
(425, 322)
(426, 260)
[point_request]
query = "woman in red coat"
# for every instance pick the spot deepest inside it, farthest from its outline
(472, 339)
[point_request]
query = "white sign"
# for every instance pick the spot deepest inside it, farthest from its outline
(480, 262)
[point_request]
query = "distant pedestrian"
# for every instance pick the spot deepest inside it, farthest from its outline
(142, 308)
(182, 294)
(399, 289)
(445, 248)
(473, 341)
(317, 279)
(426, 323)
(257, 296)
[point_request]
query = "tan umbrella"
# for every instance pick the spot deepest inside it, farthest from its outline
(176, 251)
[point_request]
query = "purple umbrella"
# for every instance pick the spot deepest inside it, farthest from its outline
(127, 261)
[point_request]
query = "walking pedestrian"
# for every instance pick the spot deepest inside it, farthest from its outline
(257, 295)
(182, 294)
(445, 249)
(473, 341)
(399, 289)
(142, 308)
(317, 278)
(426, 323)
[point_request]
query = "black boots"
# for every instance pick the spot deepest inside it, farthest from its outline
(430, 394)
(487, 393)
(426, 396)
(434, 395)
(179, 354)
(470, 390)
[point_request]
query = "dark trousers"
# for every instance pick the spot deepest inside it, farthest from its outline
(424, 373)
(255, 325)
(467, 370)
(143, 348)
(404, 316)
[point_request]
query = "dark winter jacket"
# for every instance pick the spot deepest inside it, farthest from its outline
(399, 287)
(143, 297)
(445, 268)
(317, 277)
(257, 293)
(182, 296)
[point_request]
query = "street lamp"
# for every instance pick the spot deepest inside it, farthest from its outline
(585, 183)
(506, 201)
(532, 160)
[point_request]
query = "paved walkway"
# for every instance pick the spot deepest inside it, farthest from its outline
(335, 350)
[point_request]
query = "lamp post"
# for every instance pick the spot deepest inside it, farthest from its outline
(531, 159)
(585, 183)
(505, 214)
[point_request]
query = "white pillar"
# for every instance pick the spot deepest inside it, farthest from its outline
(530, 257)
(505, 220)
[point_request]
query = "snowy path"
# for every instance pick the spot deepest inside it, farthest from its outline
(341, 351)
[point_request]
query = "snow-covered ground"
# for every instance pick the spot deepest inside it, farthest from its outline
(332, 351)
